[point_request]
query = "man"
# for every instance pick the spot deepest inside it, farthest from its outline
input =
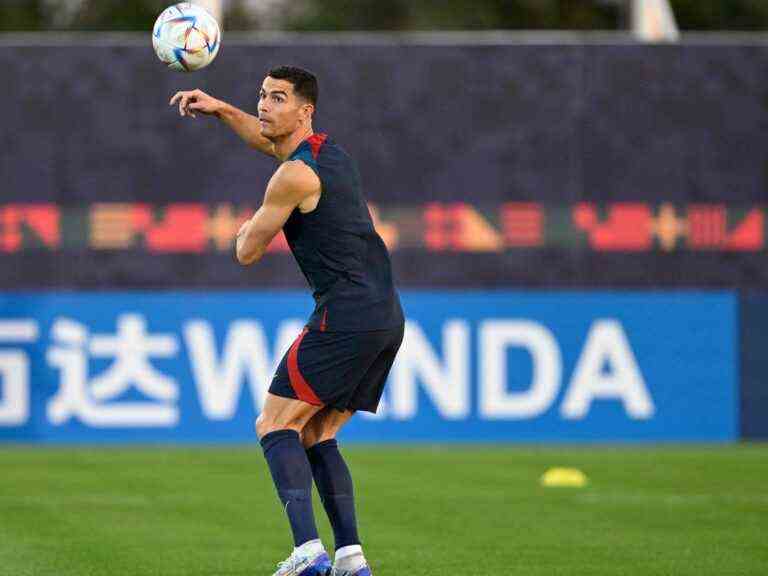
(340, 362)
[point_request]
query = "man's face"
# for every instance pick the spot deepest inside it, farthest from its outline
(281, 111)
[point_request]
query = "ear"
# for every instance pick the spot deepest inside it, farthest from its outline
(308, 110)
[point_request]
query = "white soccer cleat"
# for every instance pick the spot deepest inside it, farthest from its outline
(305, 561)
(350, 561)
(362, 571)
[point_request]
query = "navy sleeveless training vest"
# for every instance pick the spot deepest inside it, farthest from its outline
(337, 248)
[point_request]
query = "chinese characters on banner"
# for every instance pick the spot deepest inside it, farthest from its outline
(196, 366)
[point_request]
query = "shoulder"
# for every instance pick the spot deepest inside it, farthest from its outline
(296, 174)
(293, 180)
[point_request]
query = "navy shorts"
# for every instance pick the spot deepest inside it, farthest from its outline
(344, 370)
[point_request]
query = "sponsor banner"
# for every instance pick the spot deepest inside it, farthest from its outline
(474, 366)
(754, 366)
(106, 244)
(434, 227)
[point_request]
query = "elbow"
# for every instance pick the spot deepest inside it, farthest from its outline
(249, 248)
(246, 259)
(243, 258)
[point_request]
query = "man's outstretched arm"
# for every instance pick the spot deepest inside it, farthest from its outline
(244, 125)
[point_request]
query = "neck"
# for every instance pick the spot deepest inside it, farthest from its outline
(285, 146)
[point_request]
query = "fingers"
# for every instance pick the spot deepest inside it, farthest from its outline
(181, 98)
(191, 101)
(194, 106)
(185, 99)
(184, 104)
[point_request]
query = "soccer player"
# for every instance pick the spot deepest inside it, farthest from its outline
(340, 362)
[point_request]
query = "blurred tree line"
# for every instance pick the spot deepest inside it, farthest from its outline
(119, 15)
(315, 15)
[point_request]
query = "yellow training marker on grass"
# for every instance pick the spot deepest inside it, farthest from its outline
(564, 477)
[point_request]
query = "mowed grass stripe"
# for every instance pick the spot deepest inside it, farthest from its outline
(423, 511)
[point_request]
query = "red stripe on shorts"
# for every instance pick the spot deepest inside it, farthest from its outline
(299, 385)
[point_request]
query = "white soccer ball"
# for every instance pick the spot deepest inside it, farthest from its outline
(186, 37)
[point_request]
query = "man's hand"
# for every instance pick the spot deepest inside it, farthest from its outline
(192, 101)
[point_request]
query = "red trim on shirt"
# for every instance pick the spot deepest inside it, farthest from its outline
(316, 142)
(324, 321)
(298, 383)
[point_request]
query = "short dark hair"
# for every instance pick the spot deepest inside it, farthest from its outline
(303, 81)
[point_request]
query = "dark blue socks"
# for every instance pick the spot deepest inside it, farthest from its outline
(334, 483)
(292, 476)
(292, 471)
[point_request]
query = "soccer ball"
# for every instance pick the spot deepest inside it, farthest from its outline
(186, 37)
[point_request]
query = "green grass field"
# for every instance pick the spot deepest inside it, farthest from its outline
(423, 511)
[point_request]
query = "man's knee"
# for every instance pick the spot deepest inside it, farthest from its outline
(317, 431)
(283, 414)
(310, 438)
(324, 426)
(261, 426)
(265, 425)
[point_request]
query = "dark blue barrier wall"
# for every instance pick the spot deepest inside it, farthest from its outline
(677, 131)
(754, 366)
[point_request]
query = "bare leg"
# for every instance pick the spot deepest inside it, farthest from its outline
(324, 425)
(284, 414)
